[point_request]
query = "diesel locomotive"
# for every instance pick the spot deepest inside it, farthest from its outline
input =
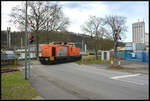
(59, 52)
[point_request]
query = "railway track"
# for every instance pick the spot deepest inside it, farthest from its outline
(6, 70)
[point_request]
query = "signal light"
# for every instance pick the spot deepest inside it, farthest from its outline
(30, 38)
(120, 38)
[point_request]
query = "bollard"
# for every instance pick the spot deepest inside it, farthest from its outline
(112, 65)
(119, 62)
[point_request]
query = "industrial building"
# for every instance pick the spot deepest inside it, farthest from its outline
(138, 33)
(146, 39)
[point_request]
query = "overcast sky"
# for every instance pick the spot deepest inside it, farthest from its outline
(78, 13)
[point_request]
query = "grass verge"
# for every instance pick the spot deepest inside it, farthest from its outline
(14, 87)
(92, 62)
(116, 67)
(10, 66)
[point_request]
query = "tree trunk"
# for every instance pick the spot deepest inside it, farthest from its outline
(96, 49)
(102, 48)
(96, 54)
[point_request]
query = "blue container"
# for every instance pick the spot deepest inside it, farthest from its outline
(128, 54)
(121, 54)
(145, 56)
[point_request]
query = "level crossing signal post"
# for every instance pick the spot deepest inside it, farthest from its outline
(115, 60)
(26, 43)
(30, 41)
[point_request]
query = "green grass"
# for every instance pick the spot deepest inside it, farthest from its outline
(10, 66)
(13, 86)
(116, 67)
(89, 56)
(92, 62)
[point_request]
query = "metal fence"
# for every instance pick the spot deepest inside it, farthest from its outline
(32, 55)
(5, 56)
(8, 59)
(141, 55)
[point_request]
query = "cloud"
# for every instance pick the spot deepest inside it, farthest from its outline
(80, 14)
(79, 11)
(6, 9)
(70, 5)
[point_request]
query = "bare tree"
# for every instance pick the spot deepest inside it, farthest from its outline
(94, 27)
(116, 23)
(112, 23)
(43, 17)
(56, 21)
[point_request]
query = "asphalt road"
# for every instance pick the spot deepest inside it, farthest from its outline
(73, 81)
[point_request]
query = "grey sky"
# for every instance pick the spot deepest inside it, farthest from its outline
(78, 13)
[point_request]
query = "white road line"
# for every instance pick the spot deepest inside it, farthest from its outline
(124, 76)
(132, 82)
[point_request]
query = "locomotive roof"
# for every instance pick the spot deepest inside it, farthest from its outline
(70, 43)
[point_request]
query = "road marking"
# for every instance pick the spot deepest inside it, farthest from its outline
(124, 76)
(133, 82)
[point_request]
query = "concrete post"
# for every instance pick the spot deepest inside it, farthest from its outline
(85, 48)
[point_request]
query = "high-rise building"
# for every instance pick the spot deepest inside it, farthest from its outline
(146, 39)
(138, 32)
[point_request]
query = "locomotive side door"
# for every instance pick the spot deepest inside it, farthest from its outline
(53, 51)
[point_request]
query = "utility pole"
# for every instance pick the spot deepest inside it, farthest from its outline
(82, 46)
(85, 47)
(26, 44)
(8, 37)
(82, 50)
(21, 41)
(9, 40)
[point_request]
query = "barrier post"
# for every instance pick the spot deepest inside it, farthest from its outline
(119, 62)
(112, 65)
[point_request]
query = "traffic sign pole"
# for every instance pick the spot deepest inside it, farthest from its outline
(26, 45)
(29, 55)
(29, 43)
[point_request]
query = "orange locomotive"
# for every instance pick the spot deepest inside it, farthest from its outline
(59, 52)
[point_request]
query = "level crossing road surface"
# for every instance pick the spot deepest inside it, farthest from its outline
(73, 81)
